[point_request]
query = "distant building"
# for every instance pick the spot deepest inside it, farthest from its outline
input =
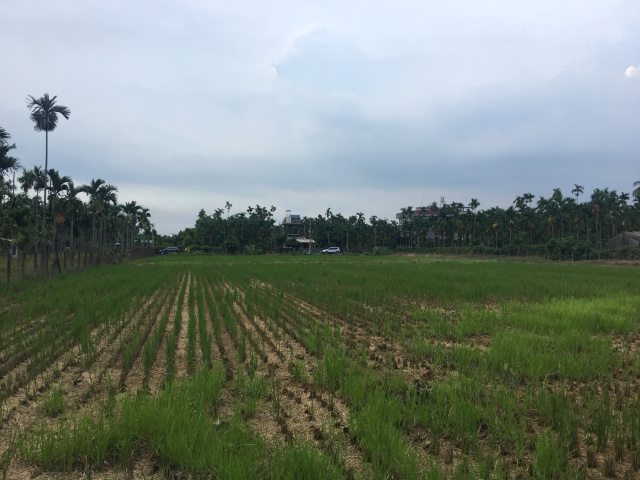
(293, 228)
(624, 240)
(406, 215)
(291, 219)
(409, 213)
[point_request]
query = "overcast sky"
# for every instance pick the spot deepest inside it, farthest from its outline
(354, 105)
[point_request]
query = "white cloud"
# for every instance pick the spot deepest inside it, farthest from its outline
(632, 71)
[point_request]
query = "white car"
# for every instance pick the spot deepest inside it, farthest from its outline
(331, 250)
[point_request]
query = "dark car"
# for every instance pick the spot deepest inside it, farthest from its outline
(168, 250)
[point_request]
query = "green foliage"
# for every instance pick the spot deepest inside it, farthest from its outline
(522, 368)
(54, 403)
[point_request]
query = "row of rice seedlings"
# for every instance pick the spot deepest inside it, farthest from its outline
(69, 323)
(205, 336)
(472, 361)
(256, 342)
(63, 334)
(535, 364)
(250, 303)
(228, 318)
(214, 318)
(175, 332)
(152, 345)
(154, 341)
(140, 335)
(191, 329)
(378, 439)
(444, 282)
(180, 441)
(331, 374)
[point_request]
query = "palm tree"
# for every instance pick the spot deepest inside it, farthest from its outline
(91, 190)
(44, 114)
(58, 186)
(577, 191)
(473, 205)
(131, 212)
(143, 221)
(107, 202)
(4, 136)
(33, 178)
(72, 206)
(7, 163)
(101, 194)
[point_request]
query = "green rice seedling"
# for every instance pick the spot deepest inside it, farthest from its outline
(252, 366)
(8, 454)
(304, 461)
(375, 428)
(549, 460)
(600, 421)
(170, 357)
(276, 397)
(298, 370)
(54, 403)
(109, 404)
(331, 369)
(129, 353)
(191, 342)
(205, 337)
(242, 348)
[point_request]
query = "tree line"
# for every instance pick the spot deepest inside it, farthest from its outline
(43, 214)
(559, 224)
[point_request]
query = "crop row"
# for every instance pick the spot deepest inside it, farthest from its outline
(362, 384)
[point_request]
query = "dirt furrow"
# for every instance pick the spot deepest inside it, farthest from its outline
(303, 410)
(158, 372)
(381, 351)
(135, 378)
(180, 358)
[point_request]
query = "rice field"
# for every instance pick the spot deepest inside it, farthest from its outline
(315, 367)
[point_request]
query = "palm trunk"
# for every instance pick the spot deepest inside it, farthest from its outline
(46, 172)
(9, 262)
(23, 260)
(71, 245)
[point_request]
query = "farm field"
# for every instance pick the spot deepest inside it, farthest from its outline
(314, 367)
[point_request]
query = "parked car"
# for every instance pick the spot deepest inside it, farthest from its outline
(331, 250)
(168, 250)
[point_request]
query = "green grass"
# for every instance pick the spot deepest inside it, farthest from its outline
(525, 367)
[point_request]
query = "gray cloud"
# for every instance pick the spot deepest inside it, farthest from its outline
(358, 106)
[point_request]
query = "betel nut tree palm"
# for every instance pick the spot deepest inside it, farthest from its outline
(44, 114)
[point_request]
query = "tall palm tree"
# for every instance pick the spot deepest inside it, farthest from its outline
(636, 191)
(7, 162)
(143, 221)
(101, 194)
(130, 209)
(72, 207)
(107, 202)
(59, 185)
(44, 114)
(33, 179)
(4, 136)
(473, 205)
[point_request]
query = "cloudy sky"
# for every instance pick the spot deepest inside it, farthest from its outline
(354, 105)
